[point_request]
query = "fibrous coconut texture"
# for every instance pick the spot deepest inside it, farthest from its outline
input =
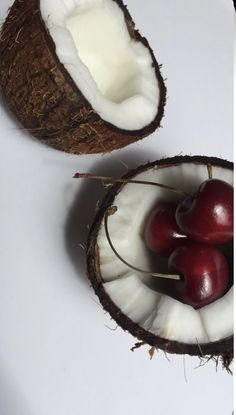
(78, 75)
(132, 298)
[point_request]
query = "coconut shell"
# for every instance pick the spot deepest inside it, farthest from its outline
(222, 349)
(40, 92)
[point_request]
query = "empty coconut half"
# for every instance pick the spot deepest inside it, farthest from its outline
(78, 75)
(133, 298)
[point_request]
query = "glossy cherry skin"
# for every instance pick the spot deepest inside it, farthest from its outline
(208, 216)
(204, 274)
(162, 234)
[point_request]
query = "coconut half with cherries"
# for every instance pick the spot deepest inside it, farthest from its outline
(122, 268)
(78, 75)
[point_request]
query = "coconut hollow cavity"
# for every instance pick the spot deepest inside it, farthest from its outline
(78, 75)
(132, 298)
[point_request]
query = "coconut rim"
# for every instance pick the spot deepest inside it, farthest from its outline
(223, 347)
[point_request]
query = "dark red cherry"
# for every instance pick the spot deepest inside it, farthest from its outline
(204, 274)
(162, 234)
(208, 216)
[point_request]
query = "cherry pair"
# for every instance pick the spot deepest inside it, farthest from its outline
(186, 234)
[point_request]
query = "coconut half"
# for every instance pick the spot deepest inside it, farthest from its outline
(132, 298)
(78, 75)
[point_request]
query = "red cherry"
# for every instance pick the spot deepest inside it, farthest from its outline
(208, 216)
(204, 274)
(162, 234)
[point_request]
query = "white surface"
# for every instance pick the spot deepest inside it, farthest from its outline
(57, 357)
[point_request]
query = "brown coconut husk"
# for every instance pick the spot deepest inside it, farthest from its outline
(220, 351)
(40, 92)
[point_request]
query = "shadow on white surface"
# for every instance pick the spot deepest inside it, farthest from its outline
(12, 400)
(83, 210)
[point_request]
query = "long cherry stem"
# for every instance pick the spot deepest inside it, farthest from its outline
(112, 180)
(153, 274)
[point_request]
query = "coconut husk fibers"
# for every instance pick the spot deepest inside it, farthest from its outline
(221, 350)
(43, 96)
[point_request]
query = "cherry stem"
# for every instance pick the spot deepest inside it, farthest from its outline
(209, 169)
(111, 180)
(110, 212)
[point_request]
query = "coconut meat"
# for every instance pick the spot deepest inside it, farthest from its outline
(113, 72)
(134, 293)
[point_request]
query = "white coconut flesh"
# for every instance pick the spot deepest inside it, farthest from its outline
(113, 72)
(134, 293)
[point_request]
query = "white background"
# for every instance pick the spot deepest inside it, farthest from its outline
(57, 355)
